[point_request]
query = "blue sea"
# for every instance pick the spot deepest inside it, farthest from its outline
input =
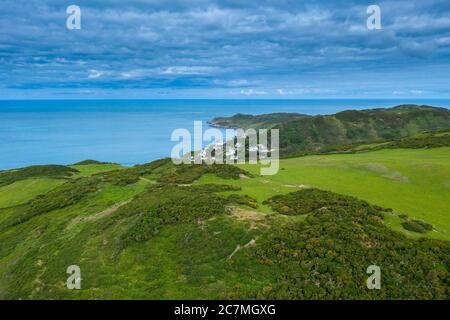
(130, 131)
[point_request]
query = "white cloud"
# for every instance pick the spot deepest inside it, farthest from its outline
(95, 74)
(407, 92)
(239, 82)
(303, 91)
(184, 70)
(251, 92)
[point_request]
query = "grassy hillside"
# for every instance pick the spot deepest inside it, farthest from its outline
(250, 121)
(375, 192)
(22, 185)
(22, 191)
(301, 135)
(410, 181)
(48, 171)
(161, 231)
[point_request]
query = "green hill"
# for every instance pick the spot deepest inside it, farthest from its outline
(323, 133)
(250, 121)
(49, 171)
(160, 231)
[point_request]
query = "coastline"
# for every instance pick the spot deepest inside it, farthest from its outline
(130, 132)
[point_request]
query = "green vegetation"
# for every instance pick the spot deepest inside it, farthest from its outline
(89, 162)
(165, 205)
(22, 191)
(415, 182)
(421, 140)
(48, 171)
(417, 226)
(325, 133)
(246, 121)
(339, 132)
(148, 239)
(22, 185)
(189, 173)
(161, 231)
(63, 196)
(90, 169)
(309, 200)
(326, 255)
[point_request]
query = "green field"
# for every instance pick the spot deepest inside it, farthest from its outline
(23, 191)
(90, 169)
(411, 181)
(158, 231)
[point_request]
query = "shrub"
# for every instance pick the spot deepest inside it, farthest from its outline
(413, 226)
(424, 225)
(308, 200)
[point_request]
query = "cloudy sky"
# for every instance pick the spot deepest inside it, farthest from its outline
(224, 49)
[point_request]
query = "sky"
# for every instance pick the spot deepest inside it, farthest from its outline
(230, 49)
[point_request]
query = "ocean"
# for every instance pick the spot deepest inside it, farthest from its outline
(130, 132)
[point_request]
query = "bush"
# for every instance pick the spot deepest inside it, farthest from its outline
(308, 200)
(424, 225)
(188, 173)
(413, 226)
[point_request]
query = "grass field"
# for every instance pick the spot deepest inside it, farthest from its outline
(191, 260)
(23, 191)
(411, 181)
(90, 169)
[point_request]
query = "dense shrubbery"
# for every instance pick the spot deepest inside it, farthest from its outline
(244, 200)
(308, 200)
(185, 174)
(50, 171)
(427, 141)
(423, 140)
(417, 226)
(324, 133)
(326, 256)
(118, 177)
(164, 205)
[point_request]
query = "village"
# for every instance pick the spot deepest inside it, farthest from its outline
(234, 153)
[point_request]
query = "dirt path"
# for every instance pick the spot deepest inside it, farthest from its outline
(252, 243)
(98, 215)
(301, 186)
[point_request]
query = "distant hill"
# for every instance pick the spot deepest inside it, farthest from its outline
(240, 120)
(305, 134)
(50, 171)
(90, 161)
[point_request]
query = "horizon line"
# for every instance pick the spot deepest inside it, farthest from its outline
(217, 99)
